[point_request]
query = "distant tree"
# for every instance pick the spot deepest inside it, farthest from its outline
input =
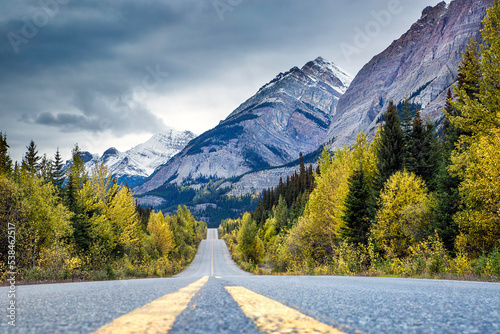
(160, 231)
(31, 159)
(280, 214)
(406, 127)
(5, 161)
(446, 186)
(46, 168)
(57, 173)
(391, 147)
(421, 148)
(77, 177)
(249, 243)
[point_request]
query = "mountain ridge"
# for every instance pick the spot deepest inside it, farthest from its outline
(421, 65)
(288, 115)
(138, 163)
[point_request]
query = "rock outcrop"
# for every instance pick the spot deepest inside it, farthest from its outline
(421, 65)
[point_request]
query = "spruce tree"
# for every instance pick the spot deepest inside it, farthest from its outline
(58, 176)
(421, 149)
(469, 71)
(46, 168)
(5, 161)
(360, 209)
(80, 220)
(406, 127)
(391, 150)
(31, 159)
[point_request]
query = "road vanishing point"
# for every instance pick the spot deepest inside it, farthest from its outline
(213, 295)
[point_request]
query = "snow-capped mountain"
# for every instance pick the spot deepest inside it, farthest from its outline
(141, 161)
(290, 114)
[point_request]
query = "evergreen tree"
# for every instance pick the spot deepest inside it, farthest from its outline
(46, 168)
(77, 177)
(280, 214)
(451, 132)
(360, 211)
(57, 173)
(5, 161)
(469, 71)
(391, 148)
(421, 150)
(31, 159)
(406, 127)
(446, 186)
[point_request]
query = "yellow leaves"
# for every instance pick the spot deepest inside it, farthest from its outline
(479, 169)
(404, 214)
(46, 213)
(161, 232)
(326, 205)
(113, 219)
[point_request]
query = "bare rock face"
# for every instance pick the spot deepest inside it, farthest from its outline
(289, 115)
(421, 65)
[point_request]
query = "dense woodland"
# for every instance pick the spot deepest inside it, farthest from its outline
(69, 224)
(405, 203)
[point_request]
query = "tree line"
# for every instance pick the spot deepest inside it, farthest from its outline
(407, 202)
(73, 223)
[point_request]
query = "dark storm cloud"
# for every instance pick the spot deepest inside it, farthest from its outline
(72, 66)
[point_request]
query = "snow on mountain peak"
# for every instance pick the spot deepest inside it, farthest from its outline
(142, 160)
(320, 67)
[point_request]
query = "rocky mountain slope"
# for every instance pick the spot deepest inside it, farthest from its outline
(139, 162)
(421, 65)
(290, 114)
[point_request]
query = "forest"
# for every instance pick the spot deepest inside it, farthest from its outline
(62, 223)
(406, 202)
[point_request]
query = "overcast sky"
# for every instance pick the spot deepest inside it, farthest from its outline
(112, 73)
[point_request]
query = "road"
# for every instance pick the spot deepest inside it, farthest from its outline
(214, 296)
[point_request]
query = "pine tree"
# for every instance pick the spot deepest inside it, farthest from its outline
(446, 186)
(280, 214)
(421, 150)
(360, 209)
(57, 173)
(46, 168)
(5, 161)
(31, 159)
(77, 177)
(391, 148)
(469, 71)
(406, 127)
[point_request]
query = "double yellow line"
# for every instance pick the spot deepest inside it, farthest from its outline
(269, 316)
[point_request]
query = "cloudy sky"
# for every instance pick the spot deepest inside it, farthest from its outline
(112, 73)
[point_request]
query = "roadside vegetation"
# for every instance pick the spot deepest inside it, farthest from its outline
(405, 204)
(61, 224)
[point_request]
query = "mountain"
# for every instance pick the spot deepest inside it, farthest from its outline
(136, 164)
(290, 114)
(421, 65)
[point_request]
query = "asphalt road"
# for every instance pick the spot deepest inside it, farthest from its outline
(214, 296)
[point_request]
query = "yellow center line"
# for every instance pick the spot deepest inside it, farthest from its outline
(212, 260)
(157, 316)
(269, 316)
